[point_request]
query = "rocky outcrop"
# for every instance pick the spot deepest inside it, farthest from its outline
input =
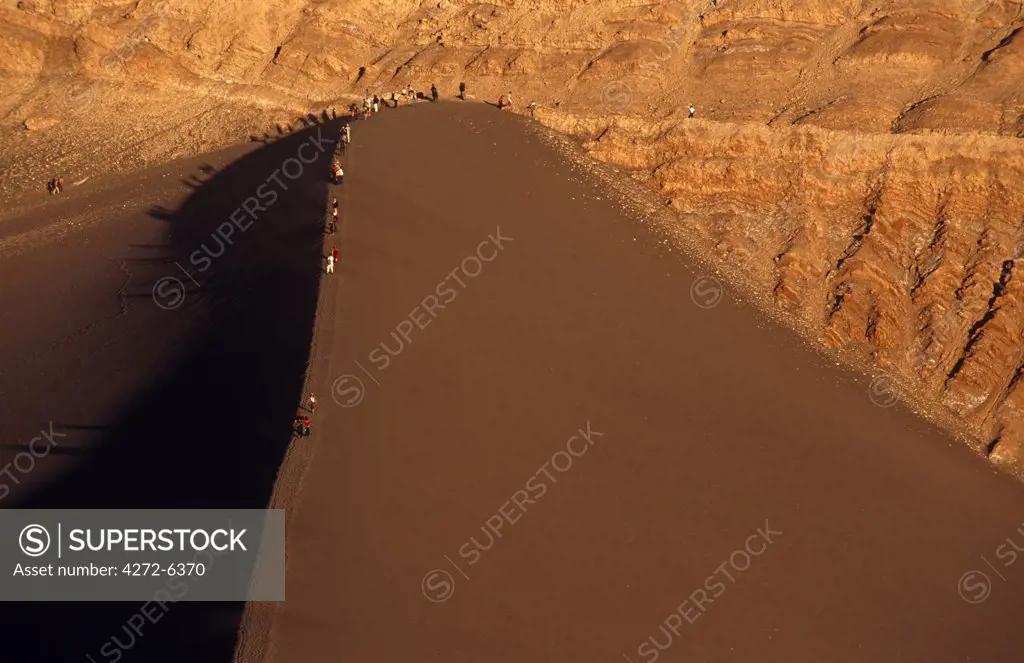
(900, 252)
(856, 166)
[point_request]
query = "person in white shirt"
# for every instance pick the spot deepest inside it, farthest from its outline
(330, 264)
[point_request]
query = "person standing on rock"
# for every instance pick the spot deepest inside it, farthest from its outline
(433, 91)
(332, 226)
(692, 110)
(330, 264)
(462, 91)
(336, 254)
(312, 402)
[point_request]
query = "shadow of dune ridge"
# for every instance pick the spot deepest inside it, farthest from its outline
(211, 431)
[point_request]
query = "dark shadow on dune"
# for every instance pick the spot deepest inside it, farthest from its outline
(211, 432)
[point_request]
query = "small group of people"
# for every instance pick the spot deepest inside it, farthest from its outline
(372, 104)
(346, 137)
(332, 223)
(55, 186)
(334, 256)
(332, 259)
(303, 425)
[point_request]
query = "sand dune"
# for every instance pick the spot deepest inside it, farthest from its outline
(501, 323)
(438, 512)
(853, 167)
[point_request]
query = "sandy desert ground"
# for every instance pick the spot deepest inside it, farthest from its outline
(853, 167)
(795, 312)
(509, 459)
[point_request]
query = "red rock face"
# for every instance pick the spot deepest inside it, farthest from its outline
(898, 252)
(857, 166)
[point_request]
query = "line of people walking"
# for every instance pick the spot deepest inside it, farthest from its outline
(371, 105)
(408, 94)
(303, 422)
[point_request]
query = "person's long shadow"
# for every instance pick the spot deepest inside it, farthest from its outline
(212, 431)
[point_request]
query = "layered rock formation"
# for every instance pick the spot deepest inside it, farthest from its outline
(855, 165)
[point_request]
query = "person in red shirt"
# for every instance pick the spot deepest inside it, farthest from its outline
(336, 254)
